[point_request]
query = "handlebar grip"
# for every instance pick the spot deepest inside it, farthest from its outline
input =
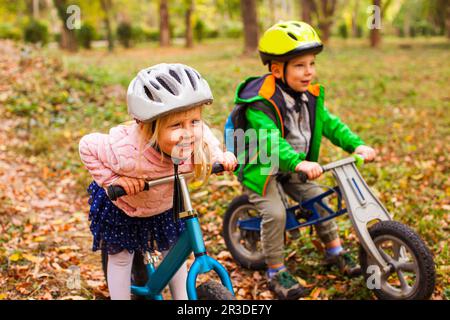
(359, 160)
(217, 168)
(114, 192)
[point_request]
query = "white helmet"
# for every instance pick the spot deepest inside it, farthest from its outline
(165, 88)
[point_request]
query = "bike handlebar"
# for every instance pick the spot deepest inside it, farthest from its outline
(358, 160)
(114, 192)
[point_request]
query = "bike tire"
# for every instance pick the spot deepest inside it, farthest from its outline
(243, 258)
(416, 246)
(213, 290)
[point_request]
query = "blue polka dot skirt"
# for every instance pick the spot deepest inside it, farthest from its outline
(114, 230)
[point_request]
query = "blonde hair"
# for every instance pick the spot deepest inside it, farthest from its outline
(149, 132)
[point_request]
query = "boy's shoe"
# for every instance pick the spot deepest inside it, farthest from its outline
(286, 287)
(344, 262)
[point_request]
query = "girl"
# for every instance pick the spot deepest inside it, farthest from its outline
(166, 102)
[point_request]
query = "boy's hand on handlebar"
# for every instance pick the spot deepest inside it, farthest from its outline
(312, 169)
(131, 185)
(366, 152)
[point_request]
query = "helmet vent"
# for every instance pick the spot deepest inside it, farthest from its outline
(156, 86)
(175, 75)
(149, 94)
(283, 26)
(196, 73)
(290, 34)
(191, 79)
(167, 85)
(297, 24)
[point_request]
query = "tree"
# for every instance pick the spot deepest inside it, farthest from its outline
(36, 9)
(447, 18)
(68, 38)
(439, 14)
(164, 26)
(107, 6)
(324, 11)
(250, 22)
(375, 35)
(355, 29)
(306, 6)
(188, 21)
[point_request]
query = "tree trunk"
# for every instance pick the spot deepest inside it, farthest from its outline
(164, 26)
(68, 38)
(272, 12)
(106, 6)
(306, 8)
(36, 9)
(447, 19)
(188, 16)
(324, 11)
(250, 22)
(375, 37)
(355, 31)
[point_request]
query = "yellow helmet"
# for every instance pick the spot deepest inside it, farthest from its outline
(285, 40)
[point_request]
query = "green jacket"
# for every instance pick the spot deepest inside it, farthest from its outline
(266, 110)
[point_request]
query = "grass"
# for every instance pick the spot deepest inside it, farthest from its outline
(396, 98)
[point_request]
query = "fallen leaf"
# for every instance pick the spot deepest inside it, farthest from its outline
(15, 257)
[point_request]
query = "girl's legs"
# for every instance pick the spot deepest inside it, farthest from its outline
(178, 283)
(119, 275)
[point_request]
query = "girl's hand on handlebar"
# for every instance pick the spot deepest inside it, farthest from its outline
(312, 169)
(366, 152)
(131, 185)
(229, 161)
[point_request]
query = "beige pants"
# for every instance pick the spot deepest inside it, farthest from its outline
(273, 214)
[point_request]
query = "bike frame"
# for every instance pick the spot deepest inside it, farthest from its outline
(190, 241)
(362, 206)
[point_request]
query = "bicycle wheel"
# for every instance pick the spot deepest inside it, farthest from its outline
(138, 271)
(244, 246)
(412, 275)
(212, 290)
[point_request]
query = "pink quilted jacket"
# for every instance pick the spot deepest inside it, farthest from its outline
(109, 156)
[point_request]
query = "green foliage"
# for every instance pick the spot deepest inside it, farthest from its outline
(420, 18)
(199, 30)
(343, 31)
(231, 29)
(86, 35)
(125, 34)
(152, 34)
(9, 31)
(204, 31)
(137, 34)
(36, 32)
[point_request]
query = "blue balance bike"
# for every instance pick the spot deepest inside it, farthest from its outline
(395, 261)
(149, 279)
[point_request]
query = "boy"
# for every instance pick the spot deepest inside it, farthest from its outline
(289, 117)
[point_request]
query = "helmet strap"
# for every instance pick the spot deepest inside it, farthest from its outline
(284, 80)
(283, 76)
